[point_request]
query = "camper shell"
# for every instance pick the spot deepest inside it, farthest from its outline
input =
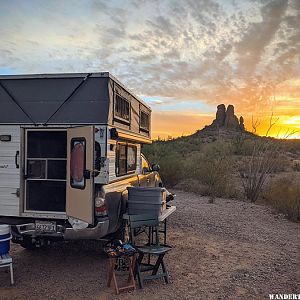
(70, 145)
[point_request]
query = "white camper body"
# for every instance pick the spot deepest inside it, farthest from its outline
(65, 176)
(10, 171)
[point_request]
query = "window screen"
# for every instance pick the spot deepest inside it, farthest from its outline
(126, 158)
(144, 121)
(122, 108)
(40, 144)
(131, 158)
(36, 169)
(121, 159)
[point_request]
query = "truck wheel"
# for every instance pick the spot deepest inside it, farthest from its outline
(28, 244)
(122, 233)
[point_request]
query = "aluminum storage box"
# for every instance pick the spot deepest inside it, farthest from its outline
(143, 200)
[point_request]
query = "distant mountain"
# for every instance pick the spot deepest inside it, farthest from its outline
(226, 125)
(226, 119)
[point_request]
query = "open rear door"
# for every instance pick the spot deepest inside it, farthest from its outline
(80, 163)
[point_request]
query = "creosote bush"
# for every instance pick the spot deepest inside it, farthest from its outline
(212, 168)
(205, 165)
(263, 161)
(284, 195)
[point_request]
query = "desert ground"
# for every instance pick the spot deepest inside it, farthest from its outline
(224, 250)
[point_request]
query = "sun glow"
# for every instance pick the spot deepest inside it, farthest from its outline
(294, 121)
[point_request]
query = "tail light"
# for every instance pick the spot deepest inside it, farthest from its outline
(100, 206)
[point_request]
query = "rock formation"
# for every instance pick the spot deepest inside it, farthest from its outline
(225, 118)
(242, 125)
(231, 120)
(220, 116)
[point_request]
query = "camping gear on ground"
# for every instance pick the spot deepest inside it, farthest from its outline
(5, 238)
(121, 258)
(162, 220)
(151, 249)
(5, 259)
(170, 196)
(143, 200)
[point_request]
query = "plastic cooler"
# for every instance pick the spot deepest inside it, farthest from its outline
(5, 238)
(143, 200)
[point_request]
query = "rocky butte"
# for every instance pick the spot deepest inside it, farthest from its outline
(226, 119)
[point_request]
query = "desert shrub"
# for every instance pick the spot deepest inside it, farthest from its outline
(292, 145)
(169, 160)
(212, 168)
(242, 145)
(261, 163)
(210, 165)
(237, 144)
(284, 195)
(171, 168)
(280, 164)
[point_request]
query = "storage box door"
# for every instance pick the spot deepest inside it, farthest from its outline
(80, 158)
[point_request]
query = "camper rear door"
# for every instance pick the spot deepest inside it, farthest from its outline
(80, 164)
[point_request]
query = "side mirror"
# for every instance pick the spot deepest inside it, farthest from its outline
(145, 171)
(155, 167)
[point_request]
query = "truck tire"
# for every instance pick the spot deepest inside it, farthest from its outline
(122, 233)
(28, 244)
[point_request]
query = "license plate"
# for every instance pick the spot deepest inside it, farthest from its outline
(45, 226)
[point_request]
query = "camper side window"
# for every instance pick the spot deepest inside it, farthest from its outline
(77, 163)
(131, 158)
(122, 108)
(144, 121)
(126, 159)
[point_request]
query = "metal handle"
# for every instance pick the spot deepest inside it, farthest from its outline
(16, 159)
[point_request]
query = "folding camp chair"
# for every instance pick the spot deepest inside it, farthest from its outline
(6, 261)
(155, 250)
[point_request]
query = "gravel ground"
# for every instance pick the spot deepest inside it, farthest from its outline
(226, 250)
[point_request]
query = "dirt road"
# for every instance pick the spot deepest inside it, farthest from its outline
(225, 250)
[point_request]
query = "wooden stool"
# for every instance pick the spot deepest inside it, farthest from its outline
(112, 273)
(6, 261)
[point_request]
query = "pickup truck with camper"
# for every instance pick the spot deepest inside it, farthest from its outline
(70, 145)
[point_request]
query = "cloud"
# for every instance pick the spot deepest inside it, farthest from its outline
(210, 51)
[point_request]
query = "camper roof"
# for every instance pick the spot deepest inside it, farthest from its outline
(73, 75)
(72, 99)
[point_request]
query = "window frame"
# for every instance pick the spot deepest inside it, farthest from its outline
(72, 144)
(126, 162)
(120, 118)
(142, 128)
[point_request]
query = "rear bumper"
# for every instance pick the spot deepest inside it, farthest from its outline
(97, 232)
(28, 229)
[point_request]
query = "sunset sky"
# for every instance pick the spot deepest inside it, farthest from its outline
(182, 57)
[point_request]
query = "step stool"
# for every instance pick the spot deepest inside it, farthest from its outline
(6, 261)
(112, 273)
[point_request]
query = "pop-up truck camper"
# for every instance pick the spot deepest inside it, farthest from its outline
(70, 145)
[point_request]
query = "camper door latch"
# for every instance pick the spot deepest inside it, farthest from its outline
(16, 159)
(102, 162)
(87, 174)
(17, 193)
